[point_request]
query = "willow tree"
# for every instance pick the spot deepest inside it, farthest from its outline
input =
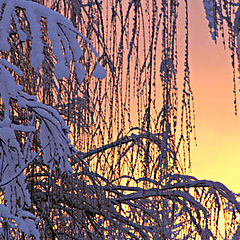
(95, 144)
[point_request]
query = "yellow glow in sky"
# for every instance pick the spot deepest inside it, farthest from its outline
(217, 156)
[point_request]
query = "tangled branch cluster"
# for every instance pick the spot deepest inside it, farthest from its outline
(124, 182)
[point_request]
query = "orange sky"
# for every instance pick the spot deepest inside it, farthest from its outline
(217, 156)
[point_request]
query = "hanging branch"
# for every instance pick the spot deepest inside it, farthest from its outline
(100, 191)
(224, 16)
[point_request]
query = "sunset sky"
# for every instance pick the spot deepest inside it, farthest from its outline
(217, 156)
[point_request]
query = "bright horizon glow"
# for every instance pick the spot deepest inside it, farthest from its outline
(217, 155)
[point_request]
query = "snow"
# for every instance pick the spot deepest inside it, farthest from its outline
(236, 29)
(80, 72)
(5, 26)
(5, 63)
(37, 45)
(74, 45)
(56, 148)
(8, 87)
(61, 32)
(22, 35)
(99, 71)
(209, 6)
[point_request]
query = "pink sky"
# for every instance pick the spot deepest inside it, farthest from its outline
(217, 156)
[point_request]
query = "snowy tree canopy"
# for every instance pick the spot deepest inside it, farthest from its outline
(25, 19)
(95, 144)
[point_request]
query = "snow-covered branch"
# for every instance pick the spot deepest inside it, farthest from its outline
(133, 187)
(27, 20)
(61, 33)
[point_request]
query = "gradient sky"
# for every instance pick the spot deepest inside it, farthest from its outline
(217, 156)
